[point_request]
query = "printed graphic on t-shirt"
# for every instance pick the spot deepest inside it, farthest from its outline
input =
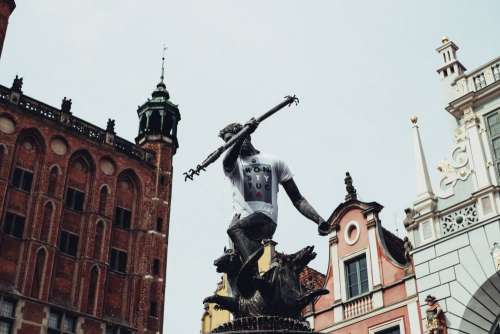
(258, 183)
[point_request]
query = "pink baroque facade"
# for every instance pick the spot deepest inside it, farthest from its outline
(370, 279)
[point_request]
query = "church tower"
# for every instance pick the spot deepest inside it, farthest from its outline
(158, 119)
(6, 9)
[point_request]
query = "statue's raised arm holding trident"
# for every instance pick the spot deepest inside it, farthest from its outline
(255, 178)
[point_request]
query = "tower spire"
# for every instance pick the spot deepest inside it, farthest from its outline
(162, 78)
(424, 187)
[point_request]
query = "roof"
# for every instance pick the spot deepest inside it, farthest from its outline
(311, 279)
(77, 126)
(395, 246)
(348, 205)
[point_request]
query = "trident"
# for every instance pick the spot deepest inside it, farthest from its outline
(212, 157)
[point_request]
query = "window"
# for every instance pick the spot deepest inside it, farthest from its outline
(496, 71)
(36, 287)
(159, 224)
(156, 267)
(13, 225)
(110, 329)
(118, 260)
(52, 181)
(22, 179)
(427, 230)
(94, 275)
(392, 330)
(153, 309)
(103, 197)
(46, 222)
(68, 243)
(122, 218)
(75, 199)
(99, 233)
(493, 121)
(479, 81)
(61, 323)
(356, 276)
(7, 315)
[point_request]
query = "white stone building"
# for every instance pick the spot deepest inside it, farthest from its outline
(455, 226)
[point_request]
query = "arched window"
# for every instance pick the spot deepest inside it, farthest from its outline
(52, 186)
(126, 195)
(79, 182)
(38, 274)
(92, 289)
(46, 222)
(103, 198)
(99, 237)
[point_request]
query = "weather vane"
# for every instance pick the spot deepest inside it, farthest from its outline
(163, 62)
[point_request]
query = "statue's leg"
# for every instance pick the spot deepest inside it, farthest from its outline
(248, 232)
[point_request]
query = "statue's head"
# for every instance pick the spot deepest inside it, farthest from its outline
(228, 262)
(430, 300)
(230, 131)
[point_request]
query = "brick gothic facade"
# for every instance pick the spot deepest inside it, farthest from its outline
(84, 218)
(6, 8)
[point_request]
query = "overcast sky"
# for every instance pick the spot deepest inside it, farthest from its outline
(361, 69)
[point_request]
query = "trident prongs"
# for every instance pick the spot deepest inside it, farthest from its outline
(192, 172)
(293, 99)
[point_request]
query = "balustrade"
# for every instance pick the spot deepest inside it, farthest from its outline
(358, 306)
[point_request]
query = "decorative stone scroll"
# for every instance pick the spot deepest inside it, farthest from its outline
(459, 219)
(456, 167)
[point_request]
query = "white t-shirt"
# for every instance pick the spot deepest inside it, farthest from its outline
(255, 181)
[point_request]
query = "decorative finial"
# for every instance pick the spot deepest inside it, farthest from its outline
(351, 191)
(445, 40)
(414, 120)
(163, 63)
(110, 127)
(17, 85)
(66, 105)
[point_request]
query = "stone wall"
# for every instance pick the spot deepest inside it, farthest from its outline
(460, 272)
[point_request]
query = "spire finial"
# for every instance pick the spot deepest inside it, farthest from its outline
(424, 187)
(351, 191)
(163, 63)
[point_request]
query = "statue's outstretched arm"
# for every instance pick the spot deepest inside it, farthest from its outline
(304, 207)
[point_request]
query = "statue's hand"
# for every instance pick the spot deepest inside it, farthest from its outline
(323, 228)
(252, 125)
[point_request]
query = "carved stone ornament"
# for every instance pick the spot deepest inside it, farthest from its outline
(459, 219)
(471, 118)
(456, 167)
(7, 125)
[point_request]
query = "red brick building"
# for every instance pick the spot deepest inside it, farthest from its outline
(6, 8)
(84, 217)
